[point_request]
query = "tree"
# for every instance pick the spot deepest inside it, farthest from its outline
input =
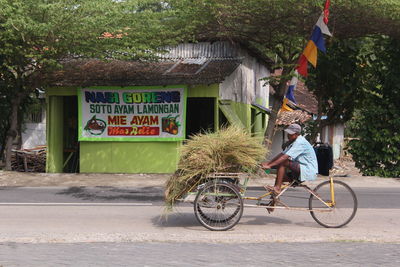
(340, 80)
(282, 27)
(4, 108)
(376, 124)
(35, 35)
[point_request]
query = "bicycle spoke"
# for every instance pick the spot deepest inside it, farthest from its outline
(329, 214)
(218, 206)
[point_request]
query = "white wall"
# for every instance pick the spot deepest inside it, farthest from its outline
(338, 136)
(34, 130)
(277, 142)
(334, 136)
(244, 85)
(34, 135)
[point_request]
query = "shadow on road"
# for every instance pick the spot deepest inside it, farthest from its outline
(177, 219)
(109, 193)
(188, 220)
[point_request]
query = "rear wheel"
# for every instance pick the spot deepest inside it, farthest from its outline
(337, 213)
(218, 206)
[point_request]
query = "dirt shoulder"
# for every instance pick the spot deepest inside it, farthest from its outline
(150, 180)
(344, 170)
(80, 179)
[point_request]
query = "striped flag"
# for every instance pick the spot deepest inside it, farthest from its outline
(310, 53)
(316, 42)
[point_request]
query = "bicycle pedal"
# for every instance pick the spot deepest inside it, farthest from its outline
(269, 204)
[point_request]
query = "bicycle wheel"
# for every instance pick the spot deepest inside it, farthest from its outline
(218, 206)
(337, 213)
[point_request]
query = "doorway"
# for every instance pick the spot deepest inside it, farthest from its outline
(70, 140)
(200, 115)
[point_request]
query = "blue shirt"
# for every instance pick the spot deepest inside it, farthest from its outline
(302, 152)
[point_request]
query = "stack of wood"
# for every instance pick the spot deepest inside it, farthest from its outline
(29, 160)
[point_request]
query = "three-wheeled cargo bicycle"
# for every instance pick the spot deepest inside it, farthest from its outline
(219, 201)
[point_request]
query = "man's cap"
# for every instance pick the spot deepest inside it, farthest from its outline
(293, 128)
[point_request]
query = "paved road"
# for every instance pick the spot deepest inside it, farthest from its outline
(372, 198)
(110, 214)
(194, 254)
(110, 226)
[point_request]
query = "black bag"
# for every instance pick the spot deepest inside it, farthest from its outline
(324, 155)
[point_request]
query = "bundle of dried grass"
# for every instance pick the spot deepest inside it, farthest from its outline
(231, 149)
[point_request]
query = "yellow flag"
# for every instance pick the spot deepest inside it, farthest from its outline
(311, 53)
(285, 107)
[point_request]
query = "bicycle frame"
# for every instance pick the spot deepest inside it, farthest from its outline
(242, 188)
(219, 202)
(276, 199)
(284, 206)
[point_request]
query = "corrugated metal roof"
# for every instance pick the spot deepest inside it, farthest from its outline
(128, 73)
(213, 50)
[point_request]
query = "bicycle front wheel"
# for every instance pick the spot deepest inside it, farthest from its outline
(218, 206)
(333, 207)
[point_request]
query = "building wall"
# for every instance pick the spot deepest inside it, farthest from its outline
(277, 142)
(334, 136)
(242, 88)
(338, 136)
(33, 135)
(55, 130)
(128, 157)
(34, 127)
(113, 157)
(245, 87)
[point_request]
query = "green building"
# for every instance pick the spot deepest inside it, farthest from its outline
(131, 117)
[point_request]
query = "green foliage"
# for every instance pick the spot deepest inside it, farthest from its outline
(47, 30)
(279, 30)
(282, 27)
(36, 35)
(357, 81)
(376, 125)
(341, 75)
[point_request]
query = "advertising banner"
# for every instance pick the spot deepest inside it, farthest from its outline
(132, 114)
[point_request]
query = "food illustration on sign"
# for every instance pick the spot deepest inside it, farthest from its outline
(95, 126)
(170, 125)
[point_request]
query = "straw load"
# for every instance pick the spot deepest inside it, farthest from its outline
(231, 149)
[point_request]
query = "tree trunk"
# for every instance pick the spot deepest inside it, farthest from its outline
(2, 149)
(13, 130)
(279, 94)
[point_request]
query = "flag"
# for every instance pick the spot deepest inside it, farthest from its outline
(322, 25)
(316, 42)
(310, 54)
(326, 11)
(290, 91)
(317, 35)
(302, 66)
(285, 106)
